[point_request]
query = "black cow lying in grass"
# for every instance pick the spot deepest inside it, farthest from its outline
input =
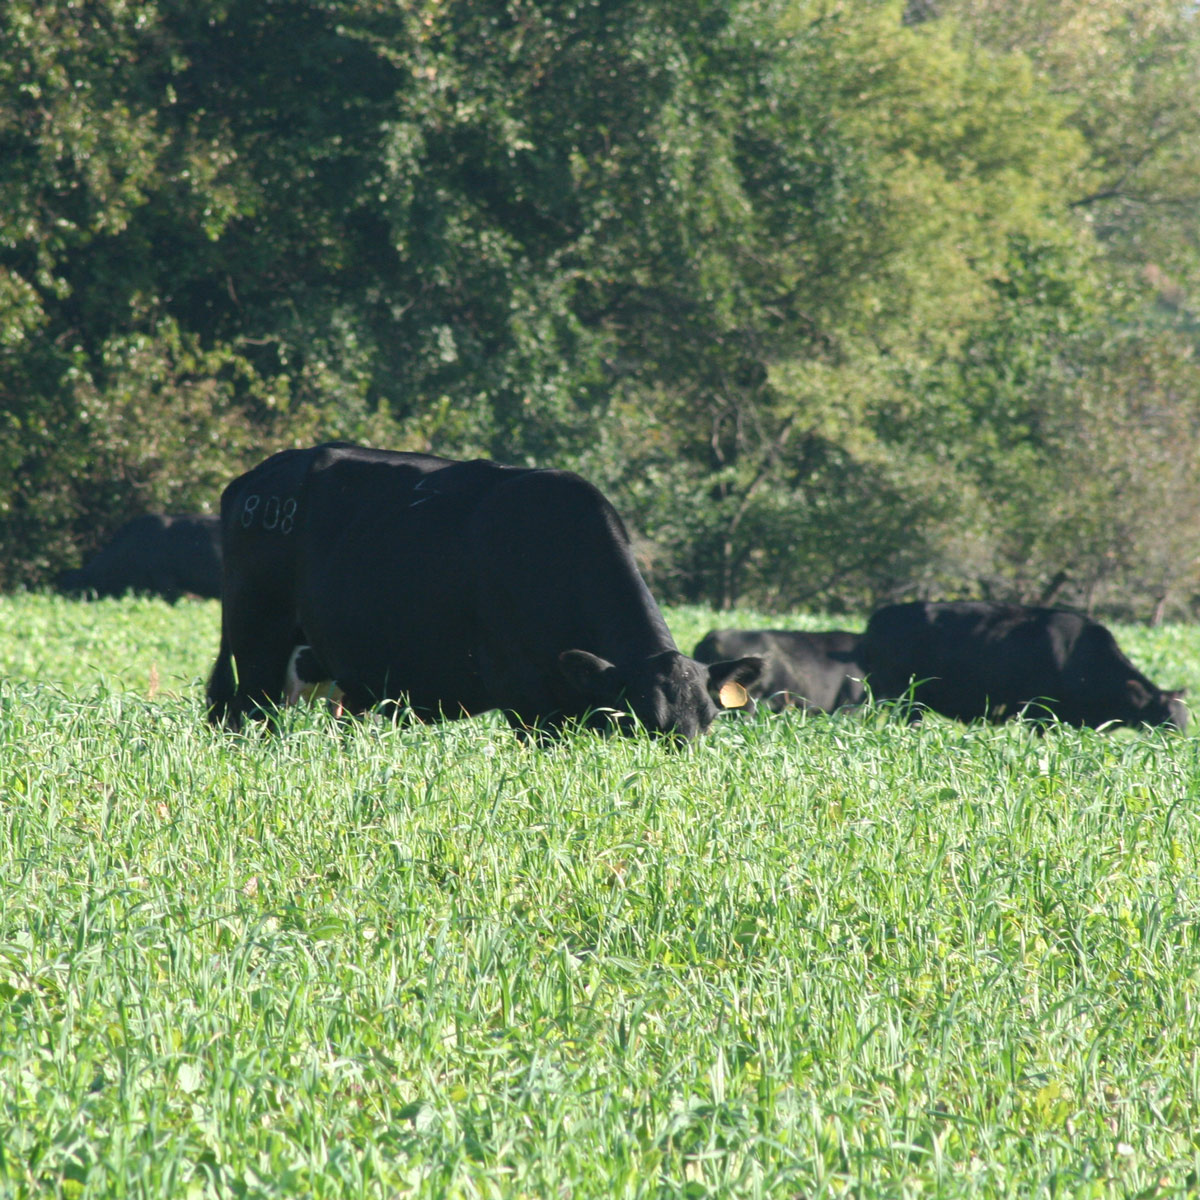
(969, 660)
(818, 672)
(457, 586)
(159, 555)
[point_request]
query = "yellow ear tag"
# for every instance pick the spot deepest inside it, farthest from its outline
(733, 695)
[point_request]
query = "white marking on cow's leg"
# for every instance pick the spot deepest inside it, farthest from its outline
(296, 689)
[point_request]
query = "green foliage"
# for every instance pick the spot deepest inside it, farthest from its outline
(818, 292)
(1074, 424)
(1127, 72)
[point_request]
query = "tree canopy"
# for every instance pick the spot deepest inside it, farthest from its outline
(837, 301)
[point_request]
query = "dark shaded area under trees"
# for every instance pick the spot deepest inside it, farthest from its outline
(837, 302)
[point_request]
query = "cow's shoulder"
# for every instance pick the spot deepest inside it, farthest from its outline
(1066, 619)
(1067, 632)
(562, 503)
(1082, 638)
(553, 482)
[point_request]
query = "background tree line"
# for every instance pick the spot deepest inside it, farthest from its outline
(837, 301)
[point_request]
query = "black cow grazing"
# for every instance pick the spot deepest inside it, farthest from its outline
(970, 660)
(156, 554)
(818, 672)
(458, 586)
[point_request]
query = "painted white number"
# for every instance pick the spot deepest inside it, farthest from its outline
(276, 514)
(248, 511)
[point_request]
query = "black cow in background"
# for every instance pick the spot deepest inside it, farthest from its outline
(818, 672)
(459, 586)
(166, 556)
(968, 660)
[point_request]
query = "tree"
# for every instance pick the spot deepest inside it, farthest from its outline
(1129, 72)
(813, 290)
(833, 226)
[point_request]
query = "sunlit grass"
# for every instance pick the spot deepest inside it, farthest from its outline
(135, 644)
(801, 957)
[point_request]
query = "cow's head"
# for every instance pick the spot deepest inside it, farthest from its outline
(668, 693)
(1156, 707)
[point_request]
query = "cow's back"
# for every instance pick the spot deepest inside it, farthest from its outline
(964, 659)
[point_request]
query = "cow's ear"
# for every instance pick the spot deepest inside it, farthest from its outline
(729, 681)
(592, 676)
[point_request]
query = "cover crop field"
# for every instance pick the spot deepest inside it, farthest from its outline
(801, 957)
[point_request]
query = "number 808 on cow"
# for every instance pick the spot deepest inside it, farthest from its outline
(278, 514)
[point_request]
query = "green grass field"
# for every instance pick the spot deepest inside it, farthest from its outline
(800, 958)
